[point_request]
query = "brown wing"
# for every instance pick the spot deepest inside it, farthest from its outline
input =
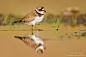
(29, 17)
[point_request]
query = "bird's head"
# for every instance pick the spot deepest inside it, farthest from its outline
(40, 9)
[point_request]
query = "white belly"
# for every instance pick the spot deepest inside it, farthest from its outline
(38, 40)
(36, 21)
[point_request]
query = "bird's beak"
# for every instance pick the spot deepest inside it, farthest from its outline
(44, 11)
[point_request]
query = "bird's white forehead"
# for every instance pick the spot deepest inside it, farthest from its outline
(43, 9)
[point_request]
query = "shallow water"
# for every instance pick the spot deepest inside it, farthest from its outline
(58, 43)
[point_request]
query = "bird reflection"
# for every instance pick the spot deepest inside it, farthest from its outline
(33, 41)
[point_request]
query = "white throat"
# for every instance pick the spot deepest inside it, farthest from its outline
(41, 12)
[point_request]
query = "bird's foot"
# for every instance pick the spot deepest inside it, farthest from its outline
(40, 30)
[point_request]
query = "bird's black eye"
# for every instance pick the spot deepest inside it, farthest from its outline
(42, 7)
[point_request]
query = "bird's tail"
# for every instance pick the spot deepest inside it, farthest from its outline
(19, 21)
(18, 37)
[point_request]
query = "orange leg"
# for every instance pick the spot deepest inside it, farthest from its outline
(37, 28)
(32, 30)
(32, 27)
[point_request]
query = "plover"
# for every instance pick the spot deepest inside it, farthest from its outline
(33, 17)
(33, 41)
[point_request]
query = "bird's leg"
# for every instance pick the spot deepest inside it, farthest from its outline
(32, 27)
(32, 30)
(37, 28)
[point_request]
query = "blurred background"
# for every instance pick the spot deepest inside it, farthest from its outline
(70, 11)
(51, 6)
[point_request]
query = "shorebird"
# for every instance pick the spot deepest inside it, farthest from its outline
(33, 17)
(33, 41)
